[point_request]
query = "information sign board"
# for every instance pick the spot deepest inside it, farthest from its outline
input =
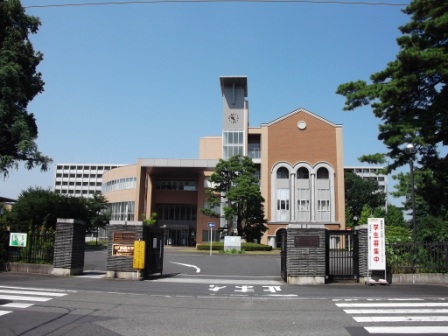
(17, 239)
(377, 248)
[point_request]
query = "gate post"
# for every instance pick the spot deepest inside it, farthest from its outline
(305, 254)
(363, 252)
(69, 247)
(120, 249)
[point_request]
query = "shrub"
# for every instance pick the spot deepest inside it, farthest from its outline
(219, 246)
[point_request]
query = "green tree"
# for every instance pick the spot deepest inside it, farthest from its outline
(20, 82)
(393, 216)
(432, 229)
(366, 213)
(402, 189)
(39, 208)
(237, 187)
(35, 208)
(410, 97)
(361, 192)
(97, 212)
(397, 234)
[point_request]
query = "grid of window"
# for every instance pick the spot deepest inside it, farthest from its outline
(176, 184)
(120, 184)
(79, 180)
(253, 150)
(233, 144)
(119, 210)
(176, 212)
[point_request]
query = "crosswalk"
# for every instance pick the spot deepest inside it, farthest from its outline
(410, 316)
(12, 298)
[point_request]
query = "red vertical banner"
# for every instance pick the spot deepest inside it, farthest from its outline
(377, 246)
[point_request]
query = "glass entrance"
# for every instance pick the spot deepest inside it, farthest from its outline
(180, 237)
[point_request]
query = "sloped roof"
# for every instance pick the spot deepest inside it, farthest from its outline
(300, 110)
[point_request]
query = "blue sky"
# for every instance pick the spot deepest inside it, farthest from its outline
(142, 80)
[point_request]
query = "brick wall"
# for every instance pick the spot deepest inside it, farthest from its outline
(69, 247)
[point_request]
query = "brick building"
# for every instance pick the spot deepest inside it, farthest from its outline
(299, 158)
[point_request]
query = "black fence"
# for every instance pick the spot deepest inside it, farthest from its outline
(417, 258)
(39, 248)
(342, 255)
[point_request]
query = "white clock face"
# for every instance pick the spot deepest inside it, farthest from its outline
(233, 118)
(301, 125)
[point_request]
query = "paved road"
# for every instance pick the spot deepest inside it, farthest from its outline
(213, 295)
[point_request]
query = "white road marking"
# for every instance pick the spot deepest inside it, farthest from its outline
(7, 291)
(214, 288)
(41, 289)
(400, 318)
(408, 330)
(17, 305)
(409, 299)
(219, 281)
(244, 289)
(26, 294)
(393, 304)
(272, 289)
(410, 311)
(396, 311)
(24, 298)
(198, 270)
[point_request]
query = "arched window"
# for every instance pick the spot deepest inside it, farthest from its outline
(282, 194)
(303, 194)
(303, 173)
(323, 194)
(282, 173)
(322, 173)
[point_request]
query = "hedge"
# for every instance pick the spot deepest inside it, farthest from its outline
(219, 246)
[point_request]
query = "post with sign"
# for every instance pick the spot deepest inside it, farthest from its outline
(211, 225)
(376, 249)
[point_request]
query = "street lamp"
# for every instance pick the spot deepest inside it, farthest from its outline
(410, 149)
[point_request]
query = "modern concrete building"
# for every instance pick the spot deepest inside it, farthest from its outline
(80, 179)
(299, 158)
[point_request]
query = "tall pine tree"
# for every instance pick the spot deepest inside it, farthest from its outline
(20, 82)
(410, 97)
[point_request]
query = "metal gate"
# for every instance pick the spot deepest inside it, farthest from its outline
(342, 255)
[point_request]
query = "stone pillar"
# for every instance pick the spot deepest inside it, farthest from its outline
(69, 247)
(120, 249)
(363, 252)
(305, 254)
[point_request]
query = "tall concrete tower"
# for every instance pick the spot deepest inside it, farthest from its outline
(235, 116)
